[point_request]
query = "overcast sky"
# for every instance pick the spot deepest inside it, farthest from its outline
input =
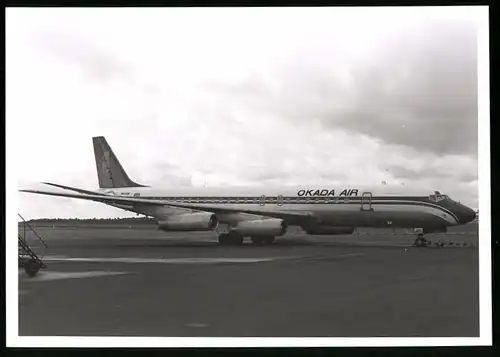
(243, 96)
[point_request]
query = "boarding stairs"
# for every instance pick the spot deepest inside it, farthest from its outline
(27, 258)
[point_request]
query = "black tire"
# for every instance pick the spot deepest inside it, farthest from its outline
(419, 242)
(268, 240)
(256, 240)
(224, 239)
(235, 238)
(32, 267)
(422, 243)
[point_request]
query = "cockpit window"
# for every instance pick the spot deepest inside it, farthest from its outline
(437, 197)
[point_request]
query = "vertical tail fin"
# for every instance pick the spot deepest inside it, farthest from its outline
(109, 170)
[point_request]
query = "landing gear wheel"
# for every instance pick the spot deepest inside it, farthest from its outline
(256, 240)
(230, 239)
(32, 267)
(224, 239)
(235, 238)
(420, 241)
(268, 240)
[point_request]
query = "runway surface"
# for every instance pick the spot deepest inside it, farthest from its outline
(122, 281)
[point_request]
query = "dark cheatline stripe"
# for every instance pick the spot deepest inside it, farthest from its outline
(240, 199)
(387, 200)
(427, 204)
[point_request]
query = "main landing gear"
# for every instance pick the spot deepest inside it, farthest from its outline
(235, 238)
(267, 240)
(420, 241)
(231, 238)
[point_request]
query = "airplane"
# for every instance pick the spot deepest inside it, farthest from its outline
(266, 213)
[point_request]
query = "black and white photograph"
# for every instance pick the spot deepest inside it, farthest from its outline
(303, 176)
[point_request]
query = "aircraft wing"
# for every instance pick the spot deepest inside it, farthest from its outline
(286, 215)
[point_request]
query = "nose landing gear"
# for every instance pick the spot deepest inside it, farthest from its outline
(420, 241)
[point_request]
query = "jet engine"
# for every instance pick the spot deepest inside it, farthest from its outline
(261, 227)
(328, 230)
(202, 221)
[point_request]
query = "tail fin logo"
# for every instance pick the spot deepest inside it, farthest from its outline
(105, 164)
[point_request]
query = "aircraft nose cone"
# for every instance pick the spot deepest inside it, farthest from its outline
(468, 215)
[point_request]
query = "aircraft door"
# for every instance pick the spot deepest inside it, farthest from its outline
(366, 201)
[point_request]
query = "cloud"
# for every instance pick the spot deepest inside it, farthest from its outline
(448, 172)
(185, 101)
(72, 48)
(418, 89)
(423, 93)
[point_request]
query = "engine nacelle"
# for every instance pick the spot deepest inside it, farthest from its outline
(328, 230)
(202, 221)
(261, 227)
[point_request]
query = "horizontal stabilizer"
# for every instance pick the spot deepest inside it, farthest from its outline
(80, 190)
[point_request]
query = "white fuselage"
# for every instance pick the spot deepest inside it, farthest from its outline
(357, 207)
